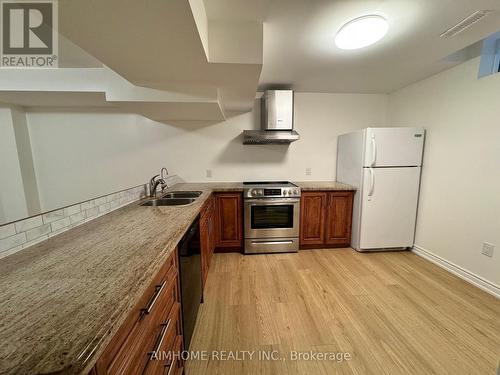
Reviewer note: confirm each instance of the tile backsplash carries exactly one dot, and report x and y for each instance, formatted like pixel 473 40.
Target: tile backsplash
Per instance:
pixel 27 232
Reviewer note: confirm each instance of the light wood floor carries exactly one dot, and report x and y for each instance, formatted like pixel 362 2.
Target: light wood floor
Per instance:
pixel 394 313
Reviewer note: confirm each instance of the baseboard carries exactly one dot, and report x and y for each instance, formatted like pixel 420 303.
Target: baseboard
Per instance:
pixel 323 246
pixel 228 250
pixel 464 274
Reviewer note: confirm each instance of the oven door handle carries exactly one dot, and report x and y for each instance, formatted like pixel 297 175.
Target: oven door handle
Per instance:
pixel 267 202
pixel 275 242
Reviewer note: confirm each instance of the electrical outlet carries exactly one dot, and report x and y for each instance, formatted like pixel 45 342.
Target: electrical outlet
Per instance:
pixel 209 173
pixel 308 171
pixel 488 249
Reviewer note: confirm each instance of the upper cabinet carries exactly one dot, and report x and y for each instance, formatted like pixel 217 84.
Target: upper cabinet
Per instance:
pixel 325 219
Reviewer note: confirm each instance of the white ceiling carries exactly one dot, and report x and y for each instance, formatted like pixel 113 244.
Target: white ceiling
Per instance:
pixel 197 60
pixel 163 45
pixel 167 60
pixel 299 49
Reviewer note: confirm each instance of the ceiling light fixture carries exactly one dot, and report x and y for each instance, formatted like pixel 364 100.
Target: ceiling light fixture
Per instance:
pixel 361 32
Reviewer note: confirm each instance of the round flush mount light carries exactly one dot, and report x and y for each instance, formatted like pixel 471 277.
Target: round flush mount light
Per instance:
pixel 361 32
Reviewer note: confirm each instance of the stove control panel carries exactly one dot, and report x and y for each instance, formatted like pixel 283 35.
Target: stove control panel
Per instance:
pixel 273 192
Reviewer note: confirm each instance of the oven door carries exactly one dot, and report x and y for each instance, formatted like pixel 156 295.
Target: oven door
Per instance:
pixel 272 218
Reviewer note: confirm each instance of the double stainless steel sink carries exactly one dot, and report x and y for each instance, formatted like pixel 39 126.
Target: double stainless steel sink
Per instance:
pixel 182 194
pixel 174 198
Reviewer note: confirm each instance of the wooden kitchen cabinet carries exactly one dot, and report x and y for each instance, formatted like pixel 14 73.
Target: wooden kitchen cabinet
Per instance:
pixel 339 218
pixel 325 219
pixel 229 221
pixel 207 236
pixel 154 324
pixel 312 218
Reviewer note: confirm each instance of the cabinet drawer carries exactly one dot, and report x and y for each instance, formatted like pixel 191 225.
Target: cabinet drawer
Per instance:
pixel 161 355
pixel 133 355
pixel 127 352
pixel 177 365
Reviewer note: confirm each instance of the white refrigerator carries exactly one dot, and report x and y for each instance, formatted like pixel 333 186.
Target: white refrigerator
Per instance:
pixel 384 165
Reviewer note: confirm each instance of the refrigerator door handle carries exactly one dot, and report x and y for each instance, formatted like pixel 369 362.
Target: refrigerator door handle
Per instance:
pixel 372 182
pixel 374 151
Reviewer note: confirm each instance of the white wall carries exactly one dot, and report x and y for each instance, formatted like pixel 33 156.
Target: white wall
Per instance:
pixel 79 156
pixel 12 198
pixel 460 191
pixel 319 118
pixel 25 157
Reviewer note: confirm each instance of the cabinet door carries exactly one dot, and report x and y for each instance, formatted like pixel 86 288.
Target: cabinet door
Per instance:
pixel 204 249
pixel 312 218
pixel 229 228
pixel 211 237
pixel 338 218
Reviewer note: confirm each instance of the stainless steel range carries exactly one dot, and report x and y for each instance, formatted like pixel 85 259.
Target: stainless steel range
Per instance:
pixel 272 211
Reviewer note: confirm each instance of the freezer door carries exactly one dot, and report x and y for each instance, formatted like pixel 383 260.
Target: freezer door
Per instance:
pixel 393 147
pixel 389 207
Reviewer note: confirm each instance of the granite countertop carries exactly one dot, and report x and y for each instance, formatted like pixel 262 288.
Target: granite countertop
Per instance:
pixel 62 300
pixel 323 185
pixel 304 185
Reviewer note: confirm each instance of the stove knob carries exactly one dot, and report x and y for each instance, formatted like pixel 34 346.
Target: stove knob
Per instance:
pixel 254 192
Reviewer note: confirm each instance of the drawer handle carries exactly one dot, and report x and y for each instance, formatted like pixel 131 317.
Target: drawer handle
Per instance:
pixel 158 289
pixel 160 339
pixel 170 366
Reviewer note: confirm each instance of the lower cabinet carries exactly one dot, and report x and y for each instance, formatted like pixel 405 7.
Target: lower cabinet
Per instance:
pixel 207 236
pixel 150 340
pixel 229 221
pixel 339 218
pixel 325 219
pixel 312 218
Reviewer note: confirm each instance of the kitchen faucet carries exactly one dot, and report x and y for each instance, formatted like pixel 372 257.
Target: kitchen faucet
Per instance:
pixel 164 178
pixel 154 182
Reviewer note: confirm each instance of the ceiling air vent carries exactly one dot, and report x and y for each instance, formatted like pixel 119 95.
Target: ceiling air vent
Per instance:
pixel 466 23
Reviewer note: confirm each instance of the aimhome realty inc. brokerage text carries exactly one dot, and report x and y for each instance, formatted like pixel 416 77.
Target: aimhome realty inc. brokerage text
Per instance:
pixel 252 355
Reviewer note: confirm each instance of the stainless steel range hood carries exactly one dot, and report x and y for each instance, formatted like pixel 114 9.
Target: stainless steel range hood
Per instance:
pixel 276 122
pixel 262 137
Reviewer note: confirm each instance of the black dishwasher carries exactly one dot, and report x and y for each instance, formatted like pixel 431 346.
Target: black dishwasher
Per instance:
pixel 190 279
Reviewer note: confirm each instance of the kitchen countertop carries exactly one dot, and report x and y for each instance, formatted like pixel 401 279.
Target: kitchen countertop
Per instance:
pixel 324 185
pixel 62 300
